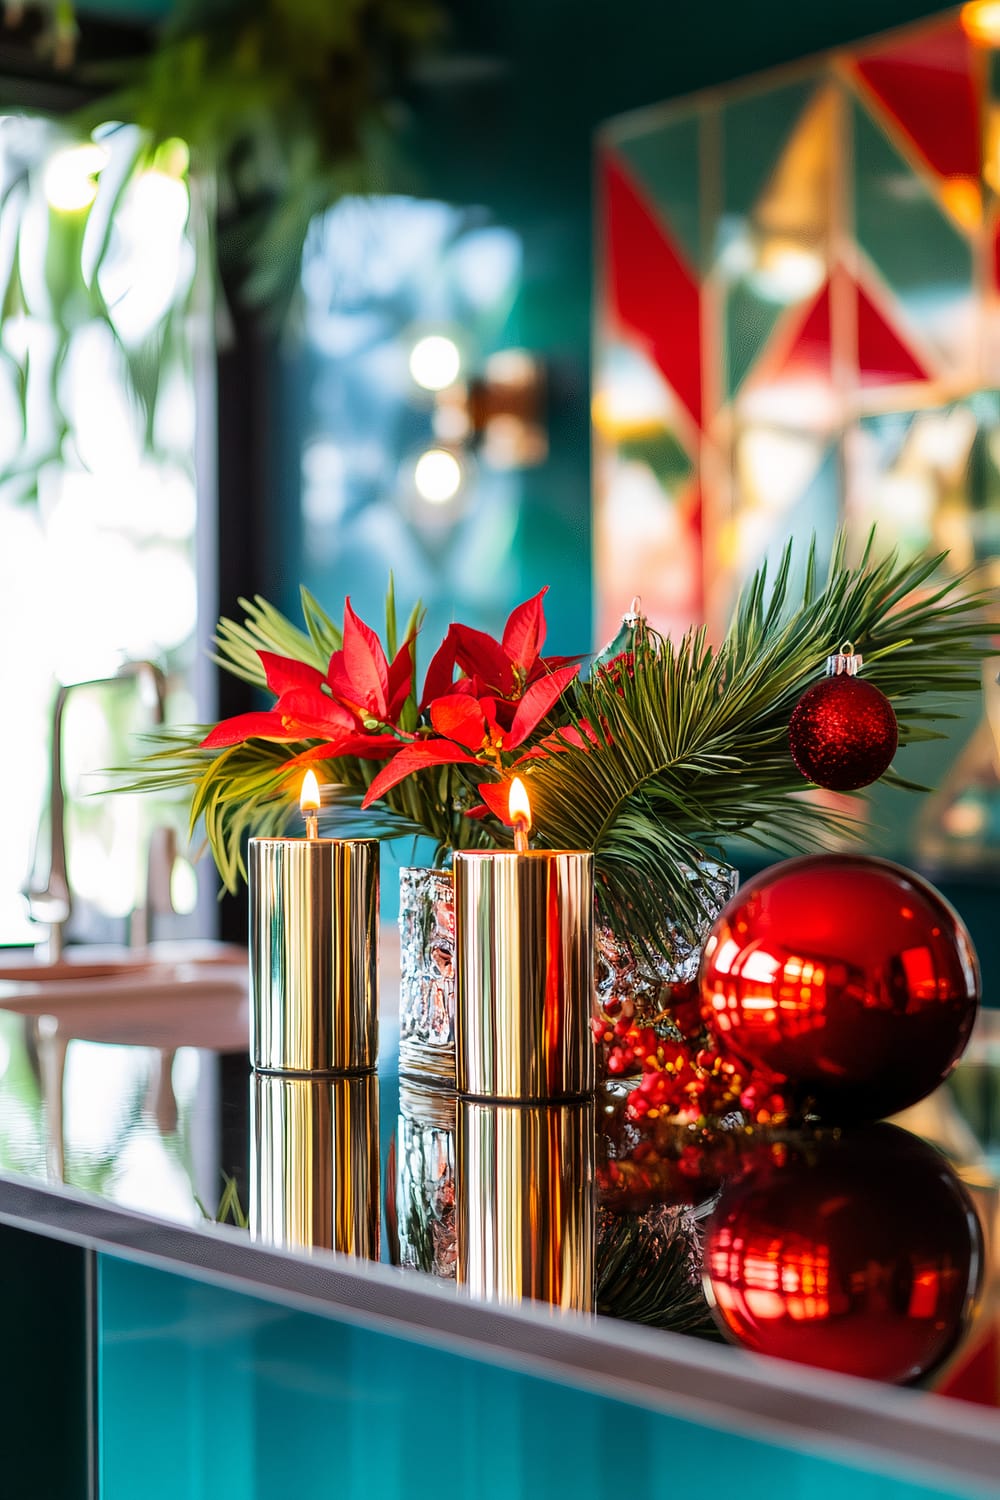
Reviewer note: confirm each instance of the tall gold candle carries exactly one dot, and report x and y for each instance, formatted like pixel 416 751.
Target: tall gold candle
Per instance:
pixel 314 953
pixel 525 1202
pixel 314 1163
pixel 524 939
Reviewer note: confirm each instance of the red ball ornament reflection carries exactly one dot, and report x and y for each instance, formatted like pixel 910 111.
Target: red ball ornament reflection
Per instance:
pixel 860 1255
pixel 843 733
pixel 849 979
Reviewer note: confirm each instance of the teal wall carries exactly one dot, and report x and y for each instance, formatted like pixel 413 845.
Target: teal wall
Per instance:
pixel 507 121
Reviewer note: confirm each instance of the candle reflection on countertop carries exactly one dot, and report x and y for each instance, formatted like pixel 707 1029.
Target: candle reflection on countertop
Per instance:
pixel 314 1163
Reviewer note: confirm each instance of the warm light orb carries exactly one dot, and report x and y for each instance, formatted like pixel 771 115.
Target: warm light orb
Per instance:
pixel 981 22
pixel 437 476
pixel 309 798
pixel 518 804
pixel 71 175
pixel 435 362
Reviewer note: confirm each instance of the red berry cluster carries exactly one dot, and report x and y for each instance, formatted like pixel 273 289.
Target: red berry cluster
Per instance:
pixel 683 1076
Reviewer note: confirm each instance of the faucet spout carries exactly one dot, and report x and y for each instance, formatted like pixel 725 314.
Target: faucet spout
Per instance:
pixel 51 903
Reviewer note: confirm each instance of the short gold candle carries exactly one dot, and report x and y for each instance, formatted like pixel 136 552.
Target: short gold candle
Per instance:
pixel 525 1202
pixel 314 1163
pixel 524 940
pixel 314 954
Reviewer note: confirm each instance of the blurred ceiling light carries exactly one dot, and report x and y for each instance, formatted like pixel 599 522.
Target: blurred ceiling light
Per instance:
pixel 795 404
pixel 943 441
pixel 437 476
pixel 787 272
pixel 70 179
pixel 158 206
pixel 183 887
pixel 981 22
pixel 963 199
pixel 499 412
pixel 435 362
pixel 774 467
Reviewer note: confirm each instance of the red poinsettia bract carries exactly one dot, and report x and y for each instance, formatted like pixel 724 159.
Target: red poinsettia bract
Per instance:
pixel 501 670
pixel 354 706
pixel 468 731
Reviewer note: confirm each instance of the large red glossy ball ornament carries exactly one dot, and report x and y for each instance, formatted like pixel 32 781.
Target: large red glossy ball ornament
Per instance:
pixel 843 733
pixel 860 1255
pixel 849 979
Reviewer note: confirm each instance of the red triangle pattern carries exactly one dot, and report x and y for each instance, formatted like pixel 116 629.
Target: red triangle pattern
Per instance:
pixel 807 355
pixel 652 294
pixel 884 357
pixel 927 84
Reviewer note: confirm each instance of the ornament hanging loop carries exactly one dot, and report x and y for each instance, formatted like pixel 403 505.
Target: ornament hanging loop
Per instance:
pixel 846 661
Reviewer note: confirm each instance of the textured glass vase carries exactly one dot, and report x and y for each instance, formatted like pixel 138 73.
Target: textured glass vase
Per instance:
pixel 425 1180
pixel 427 975
pixel 646 990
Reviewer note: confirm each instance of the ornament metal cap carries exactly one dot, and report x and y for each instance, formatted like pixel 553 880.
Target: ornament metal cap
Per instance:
pixel 845 661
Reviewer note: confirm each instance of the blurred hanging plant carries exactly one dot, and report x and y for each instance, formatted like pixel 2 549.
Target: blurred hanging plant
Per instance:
pixel 98 267
pixel 290 104
pixel 282 105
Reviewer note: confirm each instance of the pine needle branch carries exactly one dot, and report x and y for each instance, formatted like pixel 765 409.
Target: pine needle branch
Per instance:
pixel 693 741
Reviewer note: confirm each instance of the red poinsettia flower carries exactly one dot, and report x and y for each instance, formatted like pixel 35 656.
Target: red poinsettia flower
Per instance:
pixel 350 706
pixel 468 731
pixel 566 737
pixel 499 669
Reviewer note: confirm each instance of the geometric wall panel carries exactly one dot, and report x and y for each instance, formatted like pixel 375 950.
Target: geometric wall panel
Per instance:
pixel 811 265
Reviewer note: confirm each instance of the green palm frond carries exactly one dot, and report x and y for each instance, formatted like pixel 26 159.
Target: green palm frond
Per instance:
pixel 267 629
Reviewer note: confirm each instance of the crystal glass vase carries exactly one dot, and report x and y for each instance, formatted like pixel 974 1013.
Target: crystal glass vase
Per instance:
pixel 427 975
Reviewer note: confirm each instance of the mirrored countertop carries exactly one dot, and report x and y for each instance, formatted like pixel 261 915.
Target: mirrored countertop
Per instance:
pixel 872 1251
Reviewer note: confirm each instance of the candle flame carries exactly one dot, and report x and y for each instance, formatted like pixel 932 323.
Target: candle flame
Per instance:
pixel 309 799
pixel 520 807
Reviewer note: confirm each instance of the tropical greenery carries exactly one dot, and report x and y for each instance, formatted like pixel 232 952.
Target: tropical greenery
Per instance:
pixel 653 761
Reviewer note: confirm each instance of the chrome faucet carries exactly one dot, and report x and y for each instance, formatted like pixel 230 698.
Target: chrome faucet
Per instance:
pixel 52 903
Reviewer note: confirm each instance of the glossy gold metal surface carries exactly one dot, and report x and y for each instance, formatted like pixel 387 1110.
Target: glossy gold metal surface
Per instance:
pixel 314 1163
pixel 525 1193
pixel 524 936
pixel 314 954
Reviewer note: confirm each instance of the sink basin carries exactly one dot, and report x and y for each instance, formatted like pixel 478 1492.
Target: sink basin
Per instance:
pixel 114 963
pixel 160 996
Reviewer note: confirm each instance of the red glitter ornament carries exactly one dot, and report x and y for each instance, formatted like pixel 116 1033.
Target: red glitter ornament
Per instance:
pixel 843 732
pixel 849 980
pixel 858 1254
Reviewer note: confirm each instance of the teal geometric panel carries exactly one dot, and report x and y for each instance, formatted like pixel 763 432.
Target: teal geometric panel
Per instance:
pixel 755 130
pixel 915 247
pixel 665 164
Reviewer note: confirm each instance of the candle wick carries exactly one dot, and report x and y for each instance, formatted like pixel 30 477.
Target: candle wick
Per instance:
pixel 312 825
pixel 520 836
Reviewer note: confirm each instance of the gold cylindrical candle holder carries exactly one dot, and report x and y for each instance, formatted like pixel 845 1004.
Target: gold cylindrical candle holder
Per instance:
pixel 525 1191
pixel 524 940
pixel 314 1163
pixel 314 954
